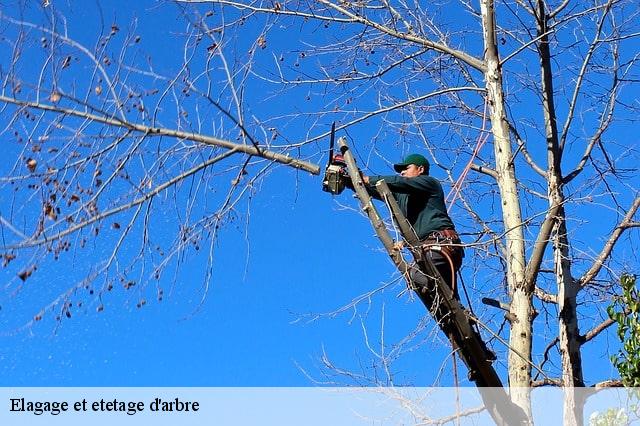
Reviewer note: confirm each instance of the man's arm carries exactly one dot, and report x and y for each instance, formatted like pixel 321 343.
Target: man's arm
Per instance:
pixel 371 189
pixel 402 185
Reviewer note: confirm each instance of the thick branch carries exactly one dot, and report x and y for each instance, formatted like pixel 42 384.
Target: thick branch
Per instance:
pixel 547 382
pixel 544 296
pixel 355 18
pixel 533 266
pixel 609 384
pixel 458 54
pixel 159 131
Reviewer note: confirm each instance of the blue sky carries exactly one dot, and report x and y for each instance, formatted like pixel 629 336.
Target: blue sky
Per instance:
pixel 244 333
pixel 279 270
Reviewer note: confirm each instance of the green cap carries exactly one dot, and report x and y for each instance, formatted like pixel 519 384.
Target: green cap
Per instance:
pixel 416 159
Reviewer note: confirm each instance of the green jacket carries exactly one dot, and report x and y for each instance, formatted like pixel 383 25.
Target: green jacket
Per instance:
pixel 421 200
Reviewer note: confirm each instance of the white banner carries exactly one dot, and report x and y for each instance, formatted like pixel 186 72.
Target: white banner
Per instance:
pixel 287 406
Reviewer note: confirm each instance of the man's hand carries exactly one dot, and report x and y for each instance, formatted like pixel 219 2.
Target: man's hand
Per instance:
pixel 398 245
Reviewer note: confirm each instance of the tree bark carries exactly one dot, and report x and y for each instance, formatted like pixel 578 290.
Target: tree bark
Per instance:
pixel 568 337
pixel 521 294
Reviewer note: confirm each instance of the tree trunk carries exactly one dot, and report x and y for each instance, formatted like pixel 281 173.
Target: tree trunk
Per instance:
pixel 521 306
pixel 568 336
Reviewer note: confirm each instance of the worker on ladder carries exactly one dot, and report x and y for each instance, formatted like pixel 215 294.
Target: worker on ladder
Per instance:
pixel 436 244
pixel 421 200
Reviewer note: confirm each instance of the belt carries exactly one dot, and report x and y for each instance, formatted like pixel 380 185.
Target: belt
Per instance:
pixel 446 240
pixel 448 234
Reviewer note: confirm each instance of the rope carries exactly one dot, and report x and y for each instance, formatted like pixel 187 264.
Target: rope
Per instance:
pixel 449 261
pixel 482 139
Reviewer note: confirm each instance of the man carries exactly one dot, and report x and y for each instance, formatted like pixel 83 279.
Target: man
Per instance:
pixel 421 200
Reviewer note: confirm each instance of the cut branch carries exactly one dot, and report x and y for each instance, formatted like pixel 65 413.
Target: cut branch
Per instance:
pixel 484 170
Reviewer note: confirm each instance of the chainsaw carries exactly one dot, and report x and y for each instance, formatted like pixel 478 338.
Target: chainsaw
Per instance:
pixel 335 174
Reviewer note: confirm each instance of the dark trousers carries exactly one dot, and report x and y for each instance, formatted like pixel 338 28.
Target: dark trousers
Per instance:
pixel 421 280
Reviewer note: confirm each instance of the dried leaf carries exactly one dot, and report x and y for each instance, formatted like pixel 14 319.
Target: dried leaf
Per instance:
pixel 7 258
pixel 31 164
pixel 55 97
pixel 50 211
pixel 26 273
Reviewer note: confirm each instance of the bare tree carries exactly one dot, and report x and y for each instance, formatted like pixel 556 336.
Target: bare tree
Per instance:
pixel 549 84
pixel 101 145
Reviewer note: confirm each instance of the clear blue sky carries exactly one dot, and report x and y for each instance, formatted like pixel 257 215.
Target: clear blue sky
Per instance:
pixel 305 256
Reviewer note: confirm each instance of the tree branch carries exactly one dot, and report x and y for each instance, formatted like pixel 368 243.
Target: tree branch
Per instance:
pixel 544 296
pixel 609 384
pixel 542 240
pixel 458 54
pixel 484 170
pixel 355 18
pixel 559 9
pixel 547 382
pixel 608 247
pixel 595 331
pixel 158 189
pixel 159 131
pixel 274 10
pixel 522 148
pixel 587 58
